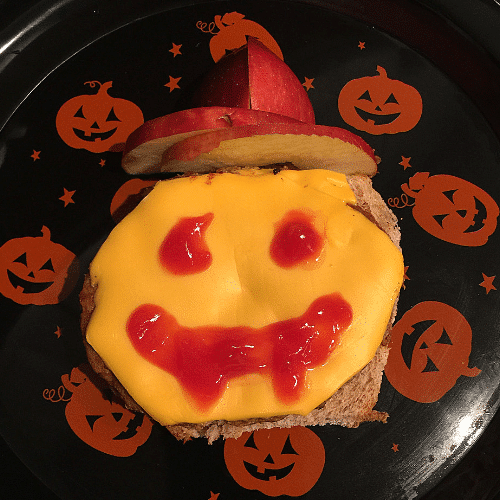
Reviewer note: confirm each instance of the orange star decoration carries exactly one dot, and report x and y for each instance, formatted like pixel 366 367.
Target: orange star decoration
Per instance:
pixel 67 197
pixel 487 283
pixel 36 155
pixel 405 277
pixel 176 49
pixel 173 83
pixel 214 496
pixel 395 447
pixel 405 162
pixel 102 163
pixel 58 332
pixel 361 45
pixel 308 83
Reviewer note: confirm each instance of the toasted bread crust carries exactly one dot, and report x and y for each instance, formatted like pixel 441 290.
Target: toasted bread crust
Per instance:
pixel 349 406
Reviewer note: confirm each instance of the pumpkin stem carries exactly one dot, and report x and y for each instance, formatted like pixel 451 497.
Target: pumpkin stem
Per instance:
pixel 201 26
pixel 46 232
pixel 50 394
pixel 93 83
pixel 381 71
pixel 103 87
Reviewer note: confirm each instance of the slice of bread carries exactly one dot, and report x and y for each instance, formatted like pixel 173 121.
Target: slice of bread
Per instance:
pixel 349 406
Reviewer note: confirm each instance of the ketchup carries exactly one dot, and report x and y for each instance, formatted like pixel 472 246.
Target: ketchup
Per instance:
pixel 184 249
pixel 296 240
pixel 203 359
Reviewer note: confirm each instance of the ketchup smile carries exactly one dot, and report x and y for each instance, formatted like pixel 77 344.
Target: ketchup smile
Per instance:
pixel 203 359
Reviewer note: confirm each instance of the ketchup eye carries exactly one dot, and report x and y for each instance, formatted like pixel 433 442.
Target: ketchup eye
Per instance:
pixel 184 249
pixel 296 240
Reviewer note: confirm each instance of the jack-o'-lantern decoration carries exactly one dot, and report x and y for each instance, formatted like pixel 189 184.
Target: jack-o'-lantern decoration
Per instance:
pixel 430 348
pixel 233 33
pixel 35 270
pixel 128 197
pixel 97 122
pixel 100 421
pixel 452 209
pixel 276 461
pixel 379 105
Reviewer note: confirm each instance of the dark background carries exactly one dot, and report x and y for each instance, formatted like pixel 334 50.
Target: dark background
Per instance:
pixel 477 475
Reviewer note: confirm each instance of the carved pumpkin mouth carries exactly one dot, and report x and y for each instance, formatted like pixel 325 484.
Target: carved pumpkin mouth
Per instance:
pixel 27 286
pixel 376 119
pixel 132 427
pixel 275 474
pixel 94 136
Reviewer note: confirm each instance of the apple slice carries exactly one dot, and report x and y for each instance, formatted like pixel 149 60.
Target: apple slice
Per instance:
pixel 255 77
pixel 306 146
pixel 145 146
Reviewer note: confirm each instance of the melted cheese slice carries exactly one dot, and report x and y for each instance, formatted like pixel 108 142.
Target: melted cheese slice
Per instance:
pixel 243 286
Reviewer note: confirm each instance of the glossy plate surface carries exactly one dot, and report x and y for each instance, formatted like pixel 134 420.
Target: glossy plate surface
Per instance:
pixel 437 131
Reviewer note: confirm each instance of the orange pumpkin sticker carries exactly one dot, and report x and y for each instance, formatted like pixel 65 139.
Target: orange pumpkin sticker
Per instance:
pixel 232 33
pixel 97 122
pixel 430 347
pixel 276 461
pixel 452 209
pixel 100 421
pixel 379 105
pixel 128 197
pixel 35 270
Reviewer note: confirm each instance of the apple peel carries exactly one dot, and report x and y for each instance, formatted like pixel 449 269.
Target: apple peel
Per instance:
pixel 254 77
pixel 306 146
pixel 145 146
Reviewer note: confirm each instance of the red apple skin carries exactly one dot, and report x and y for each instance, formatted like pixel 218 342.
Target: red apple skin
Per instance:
pixel 226 84
pixel 256 78
pixel 145 146
pixel 350 154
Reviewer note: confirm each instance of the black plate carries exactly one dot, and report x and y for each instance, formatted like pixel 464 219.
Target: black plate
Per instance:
pixel 49 54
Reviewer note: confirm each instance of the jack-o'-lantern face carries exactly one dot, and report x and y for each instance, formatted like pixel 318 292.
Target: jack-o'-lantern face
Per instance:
pixel 97 122
pixel 380 105
pixel 430 347
pixel 35 270
pixel 276 461
pixel 246 281
pixel 100 421
pixel 452 209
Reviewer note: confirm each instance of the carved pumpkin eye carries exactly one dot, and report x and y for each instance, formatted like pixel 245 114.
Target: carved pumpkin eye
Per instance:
pixel 277 461
pixel 26 263
pixel 288 448
pixel 79 113
pixel 105 425
pixel 90 121
pixel 22 259
pixel 367 112
pixel 112 116
pixel 391 99
pixel 250 442
pixel 366 96
pixel 430 347
pixel 453 209
pixel 48 265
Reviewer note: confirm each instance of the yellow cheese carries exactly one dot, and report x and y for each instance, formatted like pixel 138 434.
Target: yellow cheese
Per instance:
pixel 243 286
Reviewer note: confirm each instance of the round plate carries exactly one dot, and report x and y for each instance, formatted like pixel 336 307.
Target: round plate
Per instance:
pixel 436 129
